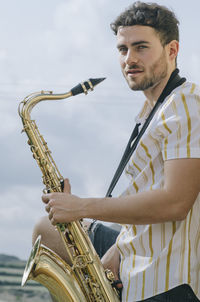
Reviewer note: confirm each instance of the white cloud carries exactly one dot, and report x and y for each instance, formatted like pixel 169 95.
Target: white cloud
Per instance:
pixel 78 11
pixel 3 54
pixel 20 202
pixel 194 67
pixel 8 124
pixel 20 209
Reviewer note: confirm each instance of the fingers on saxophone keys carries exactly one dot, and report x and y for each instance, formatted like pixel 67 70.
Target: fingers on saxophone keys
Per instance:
pixel 52 217
pixel 46 197
pixel 48 208
pixel 51 211
pixel 50 214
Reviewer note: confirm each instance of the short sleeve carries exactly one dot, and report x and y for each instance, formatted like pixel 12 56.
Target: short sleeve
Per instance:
pixel 179 124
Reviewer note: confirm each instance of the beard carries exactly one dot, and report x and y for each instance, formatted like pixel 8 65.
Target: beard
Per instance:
pixel 157 72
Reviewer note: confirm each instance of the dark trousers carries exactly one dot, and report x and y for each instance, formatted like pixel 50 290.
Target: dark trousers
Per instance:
pixel 103 238
pixel 182 293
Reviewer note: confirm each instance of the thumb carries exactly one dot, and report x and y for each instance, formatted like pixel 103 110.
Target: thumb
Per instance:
pixel 112 273
pixel 117 283
pixel 116 274
pixel 67 186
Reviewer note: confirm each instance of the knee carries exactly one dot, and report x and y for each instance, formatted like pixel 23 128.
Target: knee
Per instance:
pixel 43 228
pixel 49 237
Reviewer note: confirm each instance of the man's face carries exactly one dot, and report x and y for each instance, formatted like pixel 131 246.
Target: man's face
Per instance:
pixel 143 59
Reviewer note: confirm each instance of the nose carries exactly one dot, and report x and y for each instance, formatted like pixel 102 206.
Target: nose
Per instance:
pixel 131 57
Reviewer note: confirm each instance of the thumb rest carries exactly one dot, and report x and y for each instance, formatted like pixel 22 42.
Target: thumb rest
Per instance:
pixel 85 280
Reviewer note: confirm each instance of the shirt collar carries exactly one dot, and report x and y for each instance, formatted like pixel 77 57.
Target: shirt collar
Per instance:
pixel 144 113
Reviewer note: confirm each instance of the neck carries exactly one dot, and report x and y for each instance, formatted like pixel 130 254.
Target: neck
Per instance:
pixel 152 94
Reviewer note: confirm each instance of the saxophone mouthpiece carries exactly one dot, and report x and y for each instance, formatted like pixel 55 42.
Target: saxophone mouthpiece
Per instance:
pixel 96 81
pixel 85 86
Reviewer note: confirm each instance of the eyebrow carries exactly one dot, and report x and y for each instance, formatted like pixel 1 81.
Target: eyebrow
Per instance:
pixel 134 43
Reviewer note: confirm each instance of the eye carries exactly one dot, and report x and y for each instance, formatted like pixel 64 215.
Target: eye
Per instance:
pixel 141 47
pixel 122 49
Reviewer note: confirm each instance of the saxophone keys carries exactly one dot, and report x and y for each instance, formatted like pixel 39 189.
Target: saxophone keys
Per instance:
pixel 45 191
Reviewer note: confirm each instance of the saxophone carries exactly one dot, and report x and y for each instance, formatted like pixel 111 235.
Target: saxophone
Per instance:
pixel 84 280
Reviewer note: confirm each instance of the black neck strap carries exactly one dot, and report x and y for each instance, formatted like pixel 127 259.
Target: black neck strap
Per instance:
pixel 174 81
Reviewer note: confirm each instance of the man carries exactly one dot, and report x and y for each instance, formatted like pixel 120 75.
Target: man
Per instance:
pixel 159 241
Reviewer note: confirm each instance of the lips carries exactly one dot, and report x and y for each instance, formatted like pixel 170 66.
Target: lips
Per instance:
pixel 133 71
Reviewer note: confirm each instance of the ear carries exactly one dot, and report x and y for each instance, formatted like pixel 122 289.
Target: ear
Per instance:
pixel 173 48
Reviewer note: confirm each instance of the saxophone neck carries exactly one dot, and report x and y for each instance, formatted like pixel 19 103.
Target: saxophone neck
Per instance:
pixel 31 100
pixel 26 106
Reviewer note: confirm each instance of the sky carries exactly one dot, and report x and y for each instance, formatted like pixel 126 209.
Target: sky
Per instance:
pixel 54 45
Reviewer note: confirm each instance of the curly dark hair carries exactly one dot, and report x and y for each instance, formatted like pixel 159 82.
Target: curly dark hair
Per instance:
pixel 154 15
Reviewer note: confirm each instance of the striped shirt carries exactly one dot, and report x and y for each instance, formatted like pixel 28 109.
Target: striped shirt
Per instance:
pixel 158 257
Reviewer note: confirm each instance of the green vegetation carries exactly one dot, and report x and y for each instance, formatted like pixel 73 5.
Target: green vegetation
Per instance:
pixel 11 271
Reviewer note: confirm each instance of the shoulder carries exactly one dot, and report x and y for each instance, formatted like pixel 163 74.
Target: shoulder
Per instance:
pixel 180 112
pixel 188 90
pixel 183 99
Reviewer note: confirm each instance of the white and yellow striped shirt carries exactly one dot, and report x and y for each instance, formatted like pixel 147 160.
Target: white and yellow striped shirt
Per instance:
pixel 158 257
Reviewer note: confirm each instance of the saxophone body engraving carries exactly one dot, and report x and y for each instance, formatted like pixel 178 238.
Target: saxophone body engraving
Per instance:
pixel 85 279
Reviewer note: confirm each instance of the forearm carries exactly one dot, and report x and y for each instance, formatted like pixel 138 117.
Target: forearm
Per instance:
pixel 171 203
pixel 143 208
